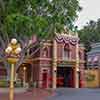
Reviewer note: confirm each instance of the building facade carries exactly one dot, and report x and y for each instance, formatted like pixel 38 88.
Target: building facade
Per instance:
pixel 94 56
pixel 93 66
pixel 59 63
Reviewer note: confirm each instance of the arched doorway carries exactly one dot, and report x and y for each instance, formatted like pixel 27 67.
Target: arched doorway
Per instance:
pixel 25 73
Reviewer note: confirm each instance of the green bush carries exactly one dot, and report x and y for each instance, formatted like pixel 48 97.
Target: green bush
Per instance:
pixel 4 83
pixel 18 84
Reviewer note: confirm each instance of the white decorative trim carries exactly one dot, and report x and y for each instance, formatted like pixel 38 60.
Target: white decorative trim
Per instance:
pixel 67 39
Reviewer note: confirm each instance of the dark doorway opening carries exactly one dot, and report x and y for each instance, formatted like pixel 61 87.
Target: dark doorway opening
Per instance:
pixel 25 72
pixel 44 79
pixel 65 77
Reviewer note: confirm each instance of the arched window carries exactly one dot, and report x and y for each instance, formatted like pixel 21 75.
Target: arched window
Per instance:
pixel 80 55
pixel 66 52
pixel 45 52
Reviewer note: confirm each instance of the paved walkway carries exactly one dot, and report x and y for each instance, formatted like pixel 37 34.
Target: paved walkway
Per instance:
pixel 33 94
pixel 16 90
pixel 76 94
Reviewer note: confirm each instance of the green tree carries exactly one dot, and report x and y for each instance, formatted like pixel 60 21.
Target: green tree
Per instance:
pixel 24 18
pixel 90 34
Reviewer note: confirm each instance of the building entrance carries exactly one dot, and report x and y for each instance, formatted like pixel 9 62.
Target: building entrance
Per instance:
pixel 65 77
pixel 45 74
pixel 44 79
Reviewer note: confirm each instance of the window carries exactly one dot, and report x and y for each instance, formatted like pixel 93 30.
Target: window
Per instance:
pixel 89 59
pixel 45 52
pixel 66 52
pixel 80 55
pixel 95 59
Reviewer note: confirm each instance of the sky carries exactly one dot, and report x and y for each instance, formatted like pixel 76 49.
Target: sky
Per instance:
pixel 91 11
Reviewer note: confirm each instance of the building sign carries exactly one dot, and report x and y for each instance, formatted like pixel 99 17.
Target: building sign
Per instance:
pixel 90 77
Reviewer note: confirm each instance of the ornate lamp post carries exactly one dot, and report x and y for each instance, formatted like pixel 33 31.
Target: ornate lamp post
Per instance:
pixel 24 82
pixel 12 51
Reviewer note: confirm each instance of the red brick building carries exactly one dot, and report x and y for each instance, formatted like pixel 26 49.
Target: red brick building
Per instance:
pixel 59 63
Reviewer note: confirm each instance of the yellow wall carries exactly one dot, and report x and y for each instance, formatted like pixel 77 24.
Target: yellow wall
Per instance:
pixel 92 78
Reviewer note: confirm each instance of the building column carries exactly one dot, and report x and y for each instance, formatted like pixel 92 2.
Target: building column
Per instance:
pixel 54 67
pixel 77 67
pixel 32 72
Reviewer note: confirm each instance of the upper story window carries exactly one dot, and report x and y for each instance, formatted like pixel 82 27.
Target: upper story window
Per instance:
pixel 89 59
pixel 80 55
pixel 45 52
pixel 96 59
pixel 65 55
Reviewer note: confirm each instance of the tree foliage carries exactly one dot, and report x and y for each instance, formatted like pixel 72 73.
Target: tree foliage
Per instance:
pixel 24 18
pixel 90 33
pixel 37 16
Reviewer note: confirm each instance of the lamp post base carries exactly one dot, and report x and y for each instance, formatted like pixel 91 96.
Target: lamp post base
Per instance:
pixel 11 95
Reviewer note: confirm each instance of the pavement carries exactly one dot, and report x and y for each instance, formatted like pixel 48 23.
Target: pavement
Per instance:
pixel 16 90
pixel 22 94
pixel 76 94
pixel 57 94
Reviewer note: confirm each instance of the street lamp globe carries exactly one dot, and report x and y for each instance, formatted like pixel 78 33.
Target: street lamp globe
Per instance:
pixel 13 41
pixel 18 50
pixel 77 69
pixel 24 68
pixel 8 50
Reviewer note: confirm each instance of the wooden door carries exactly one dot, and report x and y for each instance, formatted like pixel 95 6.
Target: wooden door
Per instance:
pixel 45 79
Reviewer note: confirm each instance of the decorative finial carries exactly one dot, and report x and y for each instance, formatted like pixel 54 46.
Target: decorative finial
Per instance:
pixel 66 31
